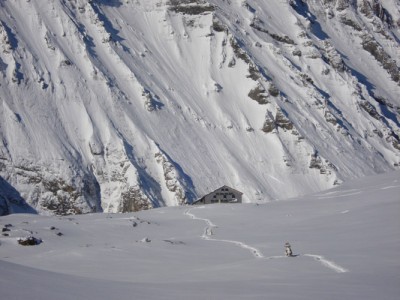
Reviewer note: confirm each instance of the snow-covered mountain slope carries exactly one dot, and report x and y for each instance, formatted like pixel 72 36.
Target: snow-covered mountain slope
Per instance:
pixel 119 106
pixel 346 241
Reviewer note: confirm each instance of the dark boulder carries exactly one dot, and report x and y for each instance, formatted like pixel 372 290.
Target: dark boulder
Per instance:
pixel 29 241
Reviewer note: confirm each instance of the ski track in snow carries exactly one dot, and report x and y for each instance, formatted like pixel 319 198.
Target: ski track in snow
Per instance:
pixel 390 187
pixel 208 232
pixel 256 252
pixel 327 263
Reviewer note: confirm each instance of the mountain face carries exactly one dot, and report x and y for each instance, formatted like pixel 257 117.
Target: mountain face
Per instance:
pixel 125 105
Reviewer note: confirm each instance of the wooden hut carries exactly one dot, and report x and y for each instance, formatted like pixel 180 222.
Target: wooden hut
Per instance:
pixel 224 194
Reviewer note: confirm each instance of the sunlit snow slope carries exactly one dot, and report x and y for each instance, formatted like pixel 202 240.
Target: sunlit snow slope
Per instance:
pixel 126 105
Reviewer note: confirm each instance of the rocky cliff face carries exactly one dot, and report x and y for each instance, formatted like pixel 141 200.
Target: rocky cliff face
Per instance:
pixel 121 106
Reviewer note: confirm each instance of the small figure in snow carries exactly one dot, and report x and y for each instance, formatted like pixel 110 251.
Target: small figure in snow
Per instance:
pixel 209 231
pixel 288 249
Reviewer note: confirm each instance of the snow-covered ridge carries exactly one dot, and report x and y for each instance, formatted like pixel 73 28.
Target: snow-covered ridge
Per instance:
pixel 126 105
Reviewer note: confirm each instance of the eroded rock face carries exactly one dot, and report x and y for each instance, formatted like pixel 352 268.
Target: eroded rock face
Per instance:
pixel 62 198
pixel 281 120
pixel 323 165
pixel 377 51
pixel 394 138
pixel 333 57
pixel 134 200
pixel 151 101
pixel 114 94
pixel 259 25
pixel 5 39
pixel 190 7
pixel 175 181
pixel 343 4
pixel 259 94
pixel 48 191
pixel 369 8
pixel 330 118
pixel 370 109
pixel 269 124
pixel 372 8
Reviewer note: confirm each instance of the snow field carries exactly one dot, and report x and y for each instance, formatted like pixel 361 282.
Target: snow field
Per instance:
pixel 89 89
pixel 346 239
pixel 208 231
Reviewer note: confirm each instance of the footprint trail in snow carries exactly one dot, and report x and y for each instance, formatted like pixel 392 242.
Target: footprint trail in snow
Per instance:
pixel 208 232
pixel 327 263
